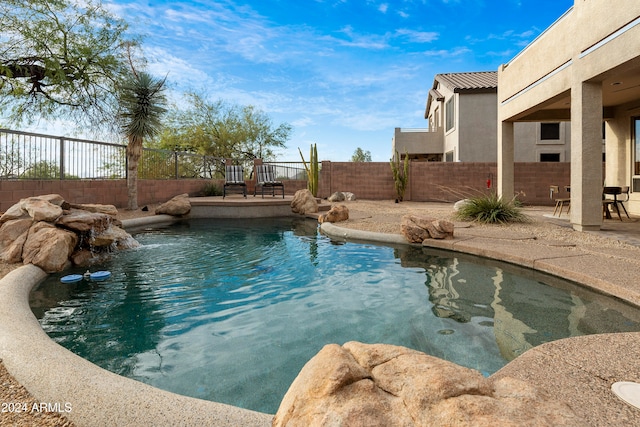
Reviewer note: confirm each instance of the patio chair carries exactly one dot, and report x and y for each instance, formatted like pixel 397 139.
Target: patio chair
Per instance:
pixel 265 178
pixel 234 178
pixel 560 202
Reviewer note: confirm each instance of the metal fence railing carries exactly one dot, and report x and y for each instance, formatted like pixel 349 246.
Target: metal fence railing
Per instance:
pixel 26 155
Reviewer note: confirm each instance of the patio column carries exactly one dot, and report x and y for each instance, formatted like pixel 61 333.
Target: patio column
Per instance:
pixel 586 156
pixel 505 184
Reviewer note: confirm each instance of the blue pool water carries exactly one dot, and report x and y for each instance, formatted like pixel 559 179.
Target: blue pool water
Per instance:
pixel 230 311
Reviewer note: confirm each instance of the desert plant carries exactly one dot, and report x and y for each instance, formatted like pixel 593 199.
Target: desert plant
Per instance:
pixel 490 209
pixel 211 189
pixel 312 170
pixel 400 174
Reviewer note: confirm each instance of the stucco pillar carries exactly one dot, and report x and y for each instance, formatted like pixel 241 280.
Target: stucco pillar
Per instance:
pixel 505 185
pixel 618 151
pixel 586 156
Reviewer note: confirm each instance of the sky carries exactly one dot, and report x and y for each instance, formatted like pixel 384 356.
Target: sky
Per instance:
pixel 342 73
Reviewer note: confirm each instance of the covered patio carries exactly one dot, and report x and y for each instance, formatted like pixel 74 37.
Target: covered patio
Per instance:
pixel 585 69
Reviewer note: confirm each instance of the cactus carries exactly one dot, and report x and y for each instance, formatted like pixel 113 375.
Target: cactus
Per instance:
pixel 312 169
pixel 400 176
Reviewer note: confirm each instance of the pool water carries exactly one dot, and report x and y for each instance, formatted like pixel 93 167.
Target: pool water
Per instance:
pixel 230 310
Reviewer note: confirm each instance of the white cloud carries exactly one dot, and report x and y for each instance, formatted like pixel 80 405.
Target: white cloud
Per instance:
pixel 418 36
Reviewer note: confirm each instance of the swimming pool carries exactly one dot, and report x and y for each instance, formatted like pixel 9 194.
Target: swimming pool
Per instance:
pixel 231 310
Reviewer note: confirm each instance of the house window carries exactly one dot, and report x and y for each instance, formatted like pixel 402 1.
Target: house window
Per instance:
pixel 549 157
pixel 549 131
pixel 448 157
pixel 450 112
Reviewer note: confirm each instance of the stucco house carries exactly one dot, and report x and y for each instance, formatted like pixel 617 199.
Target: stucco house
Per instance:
pixel 583 70
pixel 462 110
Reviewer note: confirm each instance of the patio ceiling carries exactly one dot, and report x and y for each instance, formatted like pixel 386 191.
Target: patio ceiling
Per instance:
pixel 620 86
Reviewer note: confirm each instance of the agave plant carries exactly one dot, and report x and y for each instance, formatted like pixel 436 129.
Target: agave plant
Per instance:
pixel 491 209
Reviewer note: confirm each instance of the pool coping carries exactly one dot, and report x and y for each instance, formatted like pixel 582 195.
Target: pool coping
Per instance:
pixel 53 374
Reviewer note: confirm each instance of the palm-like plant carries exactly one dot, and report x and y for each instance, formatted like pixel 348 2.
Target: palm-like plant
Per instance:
pixel 142 105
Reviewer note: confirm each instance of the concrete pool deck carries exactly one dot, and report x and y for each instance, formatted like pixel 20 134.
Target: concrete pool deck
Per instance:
pixel 578 371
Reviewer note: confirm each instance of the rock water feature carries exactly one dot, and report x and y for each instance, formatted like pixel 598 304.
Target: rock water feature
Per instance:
pixel 53 234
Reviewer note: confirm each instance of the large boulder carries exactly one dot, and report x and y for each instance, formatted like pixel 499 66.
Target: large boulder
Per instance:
pixel 48 247
pixel 417 229
pixel 115 237
pixel 338 196
pixel 13 234
pixel 41 210
pixel 84 221
pixel 385 385
pixel 337 213
pixel 177 206
pixel 304 203
pixel 96 208
pixel 341 196
pixel 14 212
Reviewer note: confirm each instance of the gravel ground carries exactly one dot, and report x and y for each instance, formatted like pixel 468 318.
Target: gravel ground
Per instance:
pixel 379 216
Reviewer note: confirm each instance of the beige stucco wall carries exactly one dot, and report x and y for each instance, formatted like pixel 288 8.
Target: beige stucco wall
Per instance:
pixel 477 124
pixel 529 145
pixel 416 141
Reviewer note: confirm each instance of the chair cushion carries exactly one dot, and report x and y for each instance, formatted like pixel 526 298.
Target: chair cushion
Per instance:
pixel 234 175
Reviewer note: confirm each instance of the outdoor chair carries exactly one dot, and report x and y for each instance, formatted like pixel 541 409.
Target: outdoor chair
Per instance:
pixel 615 203
pixel 265 178
pixel 234 178
pixel 560 202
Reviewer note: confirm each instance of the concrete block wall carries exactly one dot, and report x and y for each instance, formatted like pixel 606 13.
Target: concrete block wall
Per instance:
pixel 428 181
pixel 439 181
pixel 114 192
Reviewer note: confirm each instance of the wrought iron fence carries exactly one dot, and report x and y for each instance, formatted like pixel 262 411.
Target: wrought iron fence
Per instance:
pixel 26 155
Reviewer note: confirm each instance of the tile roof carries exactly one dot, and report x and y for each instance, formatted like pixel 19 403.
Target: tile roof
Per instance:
pixel 483 81
pixel 476 82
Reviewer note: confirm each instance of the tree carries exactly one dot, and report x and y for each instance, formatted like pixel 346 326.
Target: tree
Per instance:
pixel 143 104
pixel 361 156
pixel 61 59
pixel 223 130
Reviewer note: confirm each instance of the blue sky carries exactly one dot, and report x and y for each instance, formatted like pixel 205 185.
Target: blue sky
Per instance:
pixel 343 73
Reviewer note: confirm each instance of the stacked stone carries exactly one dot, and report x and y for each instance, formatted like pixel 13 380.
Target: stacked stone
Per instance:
pixel 53 234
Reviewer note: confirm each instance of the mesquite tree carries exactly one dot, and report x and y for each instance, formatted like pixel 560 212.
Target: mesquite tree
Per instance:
pixel 61 59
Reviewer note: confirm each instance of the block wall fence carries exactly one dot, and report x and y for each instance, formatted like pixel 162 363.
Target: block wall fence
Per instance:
pixel 441 182
pixel 428 182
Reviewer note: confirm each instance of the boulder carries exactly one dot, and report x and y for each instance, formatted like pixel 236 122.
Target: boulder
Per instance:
pixel 83 221
pixel 13 234
pixel 96 208
pixel 417 229
pixel 54 199
pixel 48 247
pixel 383 385
pixel 337 213
pixel 113 237
pixel 303 202
pixel 338 196
pixel 177 206
pixel 40 209
pixel 14 212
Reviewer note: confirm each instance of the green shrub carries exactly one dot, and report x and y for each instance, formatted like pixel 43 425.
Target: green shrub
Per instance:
pixel 491 209
pixel 211 189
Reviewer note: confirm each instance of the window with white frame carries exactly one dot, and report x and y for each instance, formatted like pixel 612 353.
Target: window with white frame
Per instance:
pixel 450 112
